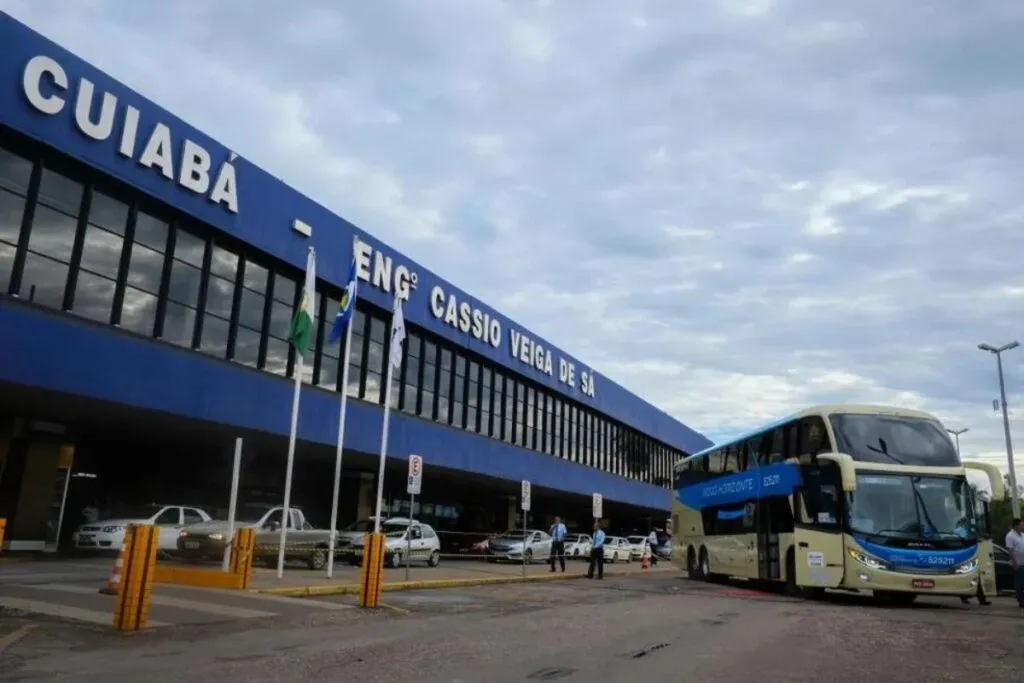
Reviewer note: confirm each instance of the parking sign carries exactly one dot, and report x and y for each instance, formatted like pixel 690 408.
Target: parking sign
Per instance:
pixel 525 496
pixel 415 482
pixel 598 505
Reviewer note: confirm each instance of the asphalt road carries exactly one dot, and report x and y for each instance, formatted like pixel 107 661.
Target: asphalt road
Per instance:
pixel 635 629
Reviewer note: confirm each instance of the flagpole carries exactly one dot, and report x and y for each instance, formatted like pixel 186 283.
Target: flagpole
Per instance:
pixel 285 512
pixel 339 448
pixel 394 353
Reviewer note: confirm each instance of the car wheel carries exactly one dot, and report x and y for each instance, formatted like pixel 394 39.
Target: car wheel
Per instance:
pixel 435 558
pixel 318 559
pixel 528 557
pixel 396 559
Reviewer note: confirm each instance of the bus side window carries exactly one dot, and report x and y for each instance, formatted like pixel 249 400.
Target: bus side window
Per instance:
pixel 777 449
pixel 813 437
pixel 755 451
pixel 731 459
pixel 716 464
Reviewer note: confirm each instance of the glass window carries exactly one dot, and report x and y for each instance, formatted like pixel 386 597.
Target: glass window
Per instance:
pixel 375 362
pixel 444 380
pixel 510 435
pixel 498 407
pixel 60 192
pixel 282 308
pixel 7 252
pixel 459 392
pixel 179 323
pixel 520 416
pixel 145 269
pixel 472 396
pixel 485 401
pixel 15 172
pixel 277 356
pixel 43 281
pixel 108 213
pixel 247 346
pixel 215 336
pixel 329 354
pixel 94 297
pixel 429 380
pixel 220 293
pixel 101 257
pixel 355 360
pixel 53 234
pixel 183 289
pixel 101 251
pixel 413 349
pixel 12 207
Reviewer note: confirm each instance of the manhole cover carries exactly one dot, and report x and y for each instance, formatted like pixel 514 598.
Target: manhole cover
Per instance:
pixel 551 673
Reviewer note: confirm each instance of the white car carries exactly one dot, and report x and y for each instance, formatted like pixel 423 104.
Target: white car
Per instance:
pixel 617 548
pixel 637 545
pixel 516 545
pixel 404 537
pixel 578 546
pixel 108 534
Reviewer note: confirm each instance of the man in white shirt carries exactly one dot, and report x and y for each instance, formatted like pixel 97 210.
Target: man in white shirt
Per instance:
pixel 1015 547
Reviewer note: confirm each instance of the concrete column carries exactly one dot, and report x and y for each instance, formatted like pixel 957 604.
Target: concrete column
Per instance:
pixel 367 495
pixel 513 509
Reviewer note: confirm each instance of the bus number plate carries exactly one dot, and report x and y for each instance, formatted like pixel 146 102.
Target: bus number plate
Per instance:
pixel 923 583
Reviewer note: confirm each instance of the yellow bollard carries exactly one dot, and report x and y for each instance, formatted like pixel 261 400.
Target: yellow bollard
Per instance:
pixel 3 527
pixel 241 557
pixel 131 610
pixel 371 576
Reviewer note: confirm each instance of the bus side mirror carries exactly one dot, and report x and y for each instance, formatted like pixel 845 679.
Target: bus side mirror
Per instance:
pixel 847 472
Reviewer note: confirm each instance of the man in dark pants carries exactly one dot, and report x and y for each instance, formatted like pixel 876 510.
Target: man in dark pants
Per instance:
pixel 1015 546
pixel 558 532
pixel 597 553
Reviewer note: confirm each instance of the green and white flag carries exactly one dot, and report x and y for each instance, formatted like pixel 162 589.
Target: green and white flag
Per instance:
pixel 302 324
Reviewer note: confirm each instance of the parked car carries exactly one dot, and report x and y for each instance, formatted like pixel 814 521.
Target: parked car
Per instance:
pixel 616 549
pixel 304 542
pixel 578 546
pixel 1003 567
pixel 637 544
pixel 108 534
pixel 401 537
pixel 520 546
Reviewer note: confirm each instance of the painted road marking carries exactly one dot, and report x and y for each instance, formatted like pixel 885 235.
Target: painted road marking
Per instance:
pixel 13 637
pixel 64 611
pixel 167 601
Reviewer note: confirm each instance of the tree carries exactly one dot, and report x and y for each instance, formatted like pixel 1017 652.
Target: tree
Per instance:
pixel 1006 484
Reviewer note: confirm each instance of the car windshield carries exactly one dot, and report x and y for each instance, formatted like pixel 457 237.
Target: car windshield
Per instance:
pixel 637 539
pixel 511 536
pixel 363 526
pixel 393 530
pixel 144 511
pixel 894 440
pixel 912 507
pixel 253 512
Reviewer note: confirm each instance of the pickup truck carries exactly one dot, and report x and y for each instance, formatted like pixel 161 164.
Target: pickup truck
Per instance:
pixel 304 542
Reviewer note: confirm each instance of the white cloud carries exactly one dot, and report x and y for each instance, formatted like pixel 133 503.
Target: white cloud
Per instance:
pixel 745 206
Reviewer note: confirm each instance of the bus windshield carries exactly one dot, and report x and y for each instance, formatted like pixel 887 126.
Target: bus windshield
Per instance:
pixel 912 507
pixel 894 440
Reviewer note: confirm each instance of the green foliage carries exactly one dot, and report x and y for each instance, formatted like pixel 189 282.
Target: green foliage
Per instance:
pixel 1000 515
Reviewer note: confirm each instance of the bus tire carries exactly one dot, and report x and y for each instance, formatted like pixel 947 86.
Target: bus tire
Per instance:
pixel 691 564
pixel 704 566
pixel 792 588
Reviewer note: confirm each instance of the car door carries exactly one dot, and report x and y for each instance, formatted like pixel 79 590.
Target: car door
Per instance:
pixel 168 521
pixel 417 543
pixel 269 533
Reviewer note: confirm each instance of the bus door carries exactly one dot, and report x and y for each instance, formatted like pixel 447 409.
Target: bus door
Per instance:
pixel 767 540
pixel 819 551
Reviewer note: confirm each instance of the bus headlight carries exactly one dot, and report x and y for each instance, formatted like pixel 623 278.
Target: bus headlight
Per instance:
pixel 868 560
pixel 967 567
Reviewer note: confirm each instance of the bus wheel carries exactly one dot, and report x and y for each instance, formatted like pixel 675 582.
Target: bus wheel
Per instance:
pixel 791 587
pixel 691 564
pixel 704 568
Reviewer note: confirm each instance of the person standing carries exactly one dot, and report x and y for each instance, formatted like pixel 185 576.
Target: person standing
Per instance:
pixel 558 532
pixel 1015 547
pixel 652 543
pixel 597 553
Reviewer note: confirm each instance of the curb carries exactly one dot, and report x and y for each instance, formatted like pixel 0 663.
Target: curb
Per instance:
pixel 426 584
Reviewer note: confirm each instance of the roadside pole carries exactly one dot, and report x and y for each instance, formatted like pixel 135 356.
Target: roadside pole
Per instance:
pixel 236 469
pixel 413 486
pixel 525 504
pixel 597 507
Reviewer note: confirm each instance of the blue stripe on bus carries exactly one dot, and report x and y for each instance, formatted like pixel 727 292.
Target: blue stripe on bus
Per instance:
pixel 908 558
pixel 761 482
pixel 730 514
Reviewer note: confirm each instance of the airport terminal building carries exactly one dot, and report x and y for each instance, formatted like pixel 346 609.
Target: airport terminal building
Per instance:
pixel 148 276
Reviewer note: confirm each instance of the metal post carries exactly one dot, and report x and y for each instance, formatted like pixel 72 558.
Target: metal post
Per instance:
pixel 524 542
pixel 956 436
pixel 408 535
pixel 232 505
pixel 1015 496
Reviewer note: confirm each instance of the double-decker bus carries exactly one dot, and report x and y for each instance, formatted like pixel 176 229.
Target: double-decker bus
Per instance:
pixel 860 498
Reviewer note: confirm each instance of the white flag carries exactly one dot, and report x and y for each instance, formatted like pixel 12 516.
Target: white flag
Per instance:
pixel 397 334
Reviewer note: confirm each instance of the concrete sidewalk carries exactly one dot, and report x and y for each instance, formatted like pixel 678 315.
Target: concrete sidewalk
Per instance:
pixel 448 575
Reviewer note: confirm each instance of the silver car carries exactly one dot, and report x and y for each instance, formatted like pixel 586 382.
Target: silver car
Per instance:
pixel 519 546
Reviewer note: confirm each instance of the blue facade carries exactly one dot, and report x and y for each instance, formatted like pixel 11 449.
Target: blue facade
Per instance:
pixel 41 83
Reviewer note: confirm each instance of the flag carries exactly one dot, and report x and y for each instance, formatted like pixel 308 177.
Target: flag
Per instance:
pixel 346 306
pixel 397 334
pixel 302 323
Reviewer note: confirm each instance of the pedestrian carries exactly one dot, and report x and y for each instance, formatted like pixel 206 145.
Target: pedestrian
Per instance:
pixel 558 532
pixel 597 553
pixel 1015 547
pixel 652 543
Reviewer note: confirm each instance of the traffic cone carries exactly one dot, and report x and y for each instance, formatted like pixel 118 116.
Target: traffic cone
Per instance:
pixel 645 560
pixel 114 582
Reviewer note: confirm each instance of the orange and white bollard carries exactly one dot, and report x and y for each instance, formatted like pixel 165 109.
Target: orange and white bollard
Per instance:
pixel 645 559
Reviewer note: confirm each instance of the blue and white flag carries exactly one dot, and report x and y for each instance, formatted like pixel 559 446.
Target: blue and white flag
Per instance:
pixel 347 305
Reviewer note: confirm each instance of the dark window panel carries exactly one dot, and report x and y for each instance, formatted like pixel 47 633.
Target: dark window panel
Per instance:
pixel 256 277
pixel 223 263
pixel 184 285
pixel 179 324
pixel 377 329
pixel 220 293
pixel 108 213
pixel 250 310
pixel 151 232
pixel 12 208
pixel 215 336
pixel 284 289
pixel 145 268
pixel 15 172
pixel 43 281
pixel 374 387
pixel 7 252
pixel 485 400
pixel 277 356
pixel 101 252
pixel 247 346
pixel 280 319
pixel 52 234
pixel 60 192
pixel 189 248
pixel 138 311
pixel 94 297
pixel 329 369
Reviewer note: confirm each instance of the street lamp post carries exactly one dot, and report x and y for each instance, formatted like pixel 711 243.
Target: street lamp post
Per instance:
pixel 998 351
pixel 956 435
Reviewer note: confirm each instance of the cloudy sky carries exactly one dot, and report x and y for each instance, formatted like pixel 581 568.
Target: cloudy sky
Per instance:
pixel 733 207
